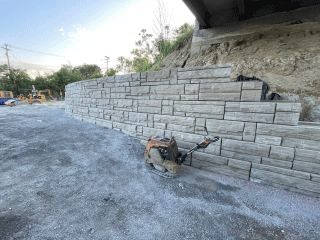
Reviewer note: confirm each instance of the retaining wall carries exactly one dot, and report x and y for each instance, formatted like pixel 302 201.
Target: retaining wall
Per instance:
pixel 260 141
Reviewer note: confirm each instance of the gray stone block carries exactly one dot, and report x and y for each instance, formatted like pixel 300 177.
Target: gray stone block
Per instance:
pixel 296 132
pixel 160 125
pixel 276 163
pixel 282 153
pixel 251 95
pixel 179 128
pixel 308 155
pixel 204 108
pixel 249 117
pixel 223 128
pixel 201 122
pixel 251 107
pixel 149 103
pixel 239 164
pixel 149 110
pixel 230 87
pixel 306 166
pixel 140 90
pixel 287 118
pixel 210 158
pixel 167 90
pixel 173 76
pixel 167 110
pixel 245 147
pixel 220 96
pixel 191 89
pixel 289 107
pixel 249 131
pixel 189 97
pixel 271 177
pixel 139 118
pixel 252 85
pixel 301 143
pixel 186 121
pixel 104 123
pixel 210 80
pixel 268 140
pixel 149 132
pixel 280 170
pixel 240 156
pixel 205 73
pixel 315 177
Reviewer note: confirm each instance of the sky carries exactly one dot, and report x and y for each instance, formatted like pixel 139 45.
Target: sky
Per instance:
pixel 43 35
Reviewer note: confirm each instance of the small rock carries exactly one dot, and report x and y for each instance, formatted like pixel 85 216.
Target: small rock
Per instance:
pixel 91 230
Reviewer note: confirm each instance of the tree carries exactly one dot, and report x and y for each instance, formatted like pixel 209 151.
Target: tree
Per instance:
pixel 111 72
pixel 89 71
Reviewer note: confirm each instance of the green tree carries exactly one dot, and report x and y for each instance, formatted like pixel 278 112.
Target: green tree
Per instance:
pixel 17 81
pixel 111 72
pixel 89 71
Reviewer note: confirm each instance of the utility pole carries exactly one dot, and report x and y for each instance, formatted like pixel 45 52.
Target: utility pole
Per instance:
pixel 7 54
pixel 107 61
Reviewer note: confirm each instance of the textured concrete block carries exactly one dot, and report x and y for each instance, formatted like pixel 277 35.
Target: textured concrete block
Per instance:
pixel 167 90
pixel 239 164
pixel 268 140
pixel 301 143
pixel 240 156
pixel 251 85
pixel 251 107
pixel 306 166
pixel 96 94
pixel 173 76
pixel 251 95
pixel 140 90
pixel 201 122
pixel 186 121
pixel 167 110
pixel 223 128
pixel 104 123
pixel 149 110
pixel 180 128
pixel 230 171
pixel 187 137
pixel 149 103
pixel 249 117
pixel 295 132
pixel 287 172
pixel 249 131
pixel 192 89
pixel 139 118
pixel 118 90
pixel 205 73
pixel 245 147
pixel 149 132
pixel 289 107
pixel 282 153
pixel 276 163
pixel 287 118
pixel 160 125
pixel 315 177
pixel 230 87
pixel 203 108
pixel 150 120
pixel 167 102
pixel 210 158
pixel 220 96
pixel 189 97
pixel 272 177
pixel 308 155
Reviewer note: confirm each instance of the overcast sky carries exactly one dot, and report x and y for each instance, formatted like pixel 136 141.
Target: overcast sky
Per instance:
pixel 77 31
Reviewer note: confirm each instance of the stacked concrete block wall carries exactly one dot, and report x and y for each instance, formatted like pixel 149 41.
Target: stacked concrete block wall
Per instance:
pixel 260 141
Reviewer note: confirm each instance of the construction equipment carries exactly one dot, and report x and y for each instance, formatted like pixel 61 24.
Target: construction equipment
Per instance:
pixel 163 158
pixel 5 96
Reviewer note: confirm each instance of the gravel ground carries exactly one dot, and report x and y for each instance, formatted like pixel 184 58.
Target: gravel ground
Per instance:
pixel 64 179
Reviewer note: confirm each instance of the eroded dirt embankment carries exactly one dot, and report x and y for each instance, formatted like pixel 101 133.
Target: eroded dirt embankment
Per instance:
pixel 287 56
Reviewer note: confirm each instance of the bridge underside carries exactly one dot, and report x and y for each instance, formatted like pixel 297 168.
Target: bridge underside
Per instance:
pixel 211 13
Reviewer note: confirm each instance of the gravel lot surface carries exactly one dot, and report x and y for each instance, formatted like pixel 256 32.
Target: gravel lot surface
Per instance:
pixel 64 179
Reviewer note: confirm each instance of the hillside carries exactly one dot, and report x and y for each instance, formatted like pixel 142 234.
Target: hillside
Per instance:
pixel 286 57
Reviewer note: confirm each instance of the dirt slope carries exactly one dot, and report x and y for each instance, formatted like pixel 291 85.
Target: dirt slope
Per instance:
pixel 286 56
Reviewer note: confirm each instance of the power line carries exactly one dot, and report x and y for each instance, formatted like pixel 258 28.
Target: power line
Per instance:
pixel 34 51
